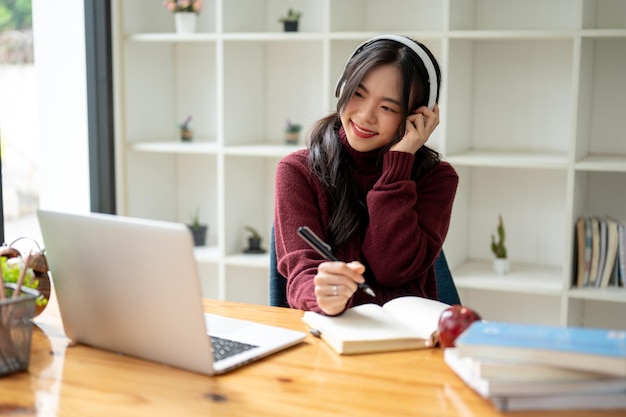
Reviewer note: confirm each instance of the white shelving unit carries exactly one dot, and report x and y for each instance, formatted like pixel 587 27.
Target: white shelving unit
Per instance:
pixel 533 92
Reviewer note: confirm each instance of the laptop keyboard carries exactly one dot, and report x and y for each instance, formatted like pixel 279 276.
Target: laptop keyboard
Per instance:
pixel 225 348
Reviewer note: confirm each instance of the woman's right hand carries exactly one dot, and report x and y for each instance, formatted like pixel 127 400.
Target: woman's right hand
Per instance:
pixel 418 128
pixel 335 282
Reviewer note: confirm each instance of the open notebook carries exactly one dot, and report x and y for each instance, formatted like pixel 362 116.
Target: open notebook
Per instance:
pixel 131 286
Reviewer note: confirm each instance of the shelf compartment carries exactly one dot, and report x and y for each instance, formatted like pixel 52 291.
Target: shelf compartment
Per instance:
pixel 265 89
pixel 184 85
pixel 390 16
pixel 512 15
pixel 535 232
pixel 251 180
pixel 170 192
pixel 262 15
pixel 602 98
pixel 498 93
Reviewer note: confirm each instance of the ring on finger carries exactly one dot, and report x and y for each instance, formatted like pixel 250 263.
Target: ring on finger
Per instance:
pixel 335 290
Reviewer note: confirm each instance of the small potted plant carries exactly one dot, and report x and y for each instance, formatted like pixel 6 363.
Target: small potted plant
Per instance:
pixel 292 132
pixel 498 247
pixel 254 241
pixel 198 229
pixel 185 13
pixel 290 21
pixel 186 134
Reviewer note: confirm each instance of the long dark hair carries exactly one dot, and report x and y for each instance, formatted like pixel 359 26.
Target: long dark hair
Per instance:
pixel 326 153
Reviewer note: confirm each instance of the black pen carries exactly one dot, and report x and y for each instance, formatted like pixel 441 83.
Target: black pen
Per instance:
pixel 323 249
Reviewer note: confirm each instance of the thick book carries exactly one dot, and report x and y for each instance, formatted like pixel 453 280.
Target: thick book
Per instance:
pixel 585 349
pixel 510 370
pixel 589 401
pixel 400 324
pixel 494 387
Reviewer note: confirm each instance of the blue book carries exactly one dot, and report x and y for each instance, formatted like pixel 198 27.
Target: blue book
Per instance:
pixel 588 349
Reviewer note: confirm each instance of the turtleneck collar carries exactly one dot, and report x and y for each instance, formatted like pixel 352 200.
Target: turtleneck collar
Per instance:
pixel 362 161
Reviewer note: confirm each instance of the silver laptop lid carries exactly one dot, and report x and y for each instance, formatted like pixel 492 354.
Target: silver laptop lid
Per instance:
pixel 128 285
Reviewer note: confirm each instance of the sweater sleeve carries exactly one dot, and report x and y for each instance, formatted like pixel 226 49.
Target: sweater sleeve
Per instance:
pixel 298 202
pixel 409 219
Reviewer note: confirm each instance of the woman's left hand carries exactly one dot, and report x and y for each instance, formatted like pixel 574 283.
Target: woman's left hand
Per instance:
pixel 419 127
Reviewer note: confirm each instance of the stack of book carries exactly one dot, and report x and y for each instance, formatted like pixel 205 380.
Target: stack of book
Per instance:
pixel 538 367
pixel 600 252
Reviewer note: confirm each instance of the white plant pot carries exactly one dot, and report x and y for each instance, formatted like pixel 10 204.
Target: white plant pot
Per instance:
pixel 185 22
pixel 501 266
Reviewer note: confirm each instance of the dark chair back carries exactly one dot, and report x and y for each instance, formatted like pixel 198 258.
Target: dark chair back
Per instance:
pixel 446 289
pixel 278 283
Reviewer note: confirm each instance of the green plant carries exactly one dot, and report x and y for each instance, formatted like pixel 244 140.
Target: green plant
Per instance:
pixel 183 5
pixel 11 273
pixel 292 16
pixel 254 234
pixel 195 219
pixel 498 247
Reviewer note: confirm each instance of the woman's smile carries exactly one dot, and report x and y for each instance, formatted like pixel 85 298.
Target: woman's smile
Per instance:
pixel 361 131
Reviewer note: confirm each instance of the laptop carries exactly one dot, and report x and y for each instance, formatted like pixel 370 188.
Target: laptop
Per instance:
pixel 131 286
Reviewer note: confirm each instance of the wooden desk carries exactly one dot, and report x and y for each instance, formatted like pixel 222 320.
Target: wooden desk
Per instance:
pixel 306 380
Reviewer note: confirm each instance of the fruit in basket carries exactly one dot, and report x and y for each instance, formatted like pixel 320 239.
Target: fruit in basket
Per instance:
pixel 453 321
pixel 36 276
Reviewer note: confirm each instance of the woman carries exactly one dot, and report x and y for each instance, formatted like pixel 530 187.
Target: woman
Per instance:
pixel 368 185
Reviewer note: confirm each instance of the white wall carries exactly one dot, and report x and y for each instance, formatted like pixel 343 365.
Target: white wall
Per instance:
pixel 59 47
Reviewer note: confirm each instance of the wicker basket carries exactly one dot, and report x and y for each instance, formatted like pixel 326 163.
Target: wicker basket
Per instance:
pixel 16 328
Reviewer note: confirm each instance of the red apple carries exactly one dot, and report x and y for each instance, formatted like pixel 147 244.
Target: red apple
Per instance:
pixel 453 321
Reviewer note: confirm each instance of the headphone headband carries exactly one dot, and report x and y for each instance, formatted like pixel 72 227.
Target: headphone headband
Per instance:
pixel 428 63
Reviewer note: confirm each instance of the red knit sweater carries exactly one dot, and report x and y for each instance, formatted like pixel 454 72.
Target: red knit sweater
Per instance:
pixel 408 222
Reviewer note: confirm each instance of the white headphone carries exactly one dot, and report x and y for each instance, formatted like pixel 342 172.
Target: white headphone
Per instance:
pixel 428 63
